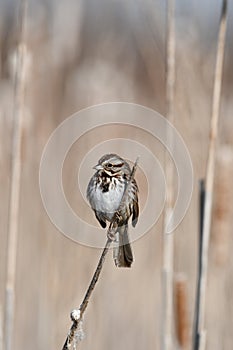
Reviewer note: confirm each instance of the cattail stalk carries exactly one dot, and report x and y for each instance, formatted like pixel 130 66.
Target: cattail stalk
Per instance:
pixel 198 292
pixel 1 328
pixel 210 176
pixel 168 239
pixel 15 182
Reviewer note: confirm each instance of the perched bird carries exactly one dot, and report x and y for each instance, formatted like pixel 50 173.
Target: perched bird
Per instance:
pixel 104 193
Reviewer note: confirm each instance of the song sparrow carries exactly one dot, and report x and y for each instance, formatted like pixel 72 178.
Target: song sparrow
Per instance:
pixel 105 191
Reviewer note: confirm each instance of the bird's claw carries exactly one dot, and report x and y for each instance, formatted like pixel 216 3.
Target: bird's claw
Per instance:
pixel 112 234
pixel 119 218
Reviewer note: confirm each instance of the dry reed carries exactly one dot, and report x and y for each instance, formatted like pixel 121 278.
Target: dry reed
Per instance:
pixel 15 182
pixel 168 239
pixel 201 332
pixel 1 328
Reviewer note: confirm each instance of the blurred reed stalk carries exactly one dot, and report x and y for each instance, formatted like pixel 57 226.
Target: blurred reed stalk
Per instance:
pixel 16 166
pixel 181 303
pixel 223 205
pixel 1 328
pixel 200 337
pixel 168 239
pixel 75 333
pixel 201 219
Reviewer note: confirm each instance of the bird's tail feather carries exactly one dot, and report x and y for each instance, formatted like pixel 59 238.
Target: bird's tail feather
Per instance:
pixel 122 252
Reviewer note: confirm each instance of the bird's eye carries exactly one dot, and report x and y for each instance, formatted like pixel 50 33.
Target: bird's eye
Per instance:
pixel 109 165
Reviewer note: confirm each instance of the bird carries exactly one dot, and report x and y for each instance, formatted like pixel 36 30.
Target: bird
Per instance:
pixel 104 193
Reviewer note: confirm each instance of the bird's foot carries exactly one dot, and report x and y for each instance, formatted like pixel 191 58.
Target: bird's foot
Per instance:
pixel 112 233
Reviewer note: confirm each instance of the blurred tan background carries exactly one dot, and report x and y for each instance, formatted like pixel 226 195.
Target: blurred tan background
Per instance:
pixel 81 53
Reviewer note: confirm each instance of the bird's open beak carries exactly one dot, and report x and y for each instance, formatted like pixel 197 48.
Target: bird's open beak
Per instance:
pixel 98 167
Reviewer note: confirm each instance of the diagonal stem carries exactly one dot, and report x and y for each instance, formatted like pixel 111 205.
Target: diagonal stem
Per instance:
pixel 111 230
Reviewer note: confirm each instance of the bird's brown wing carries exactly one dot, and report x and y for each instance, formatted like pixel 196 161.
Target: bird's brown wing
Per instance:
pixel 100 218
pixel 135 211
